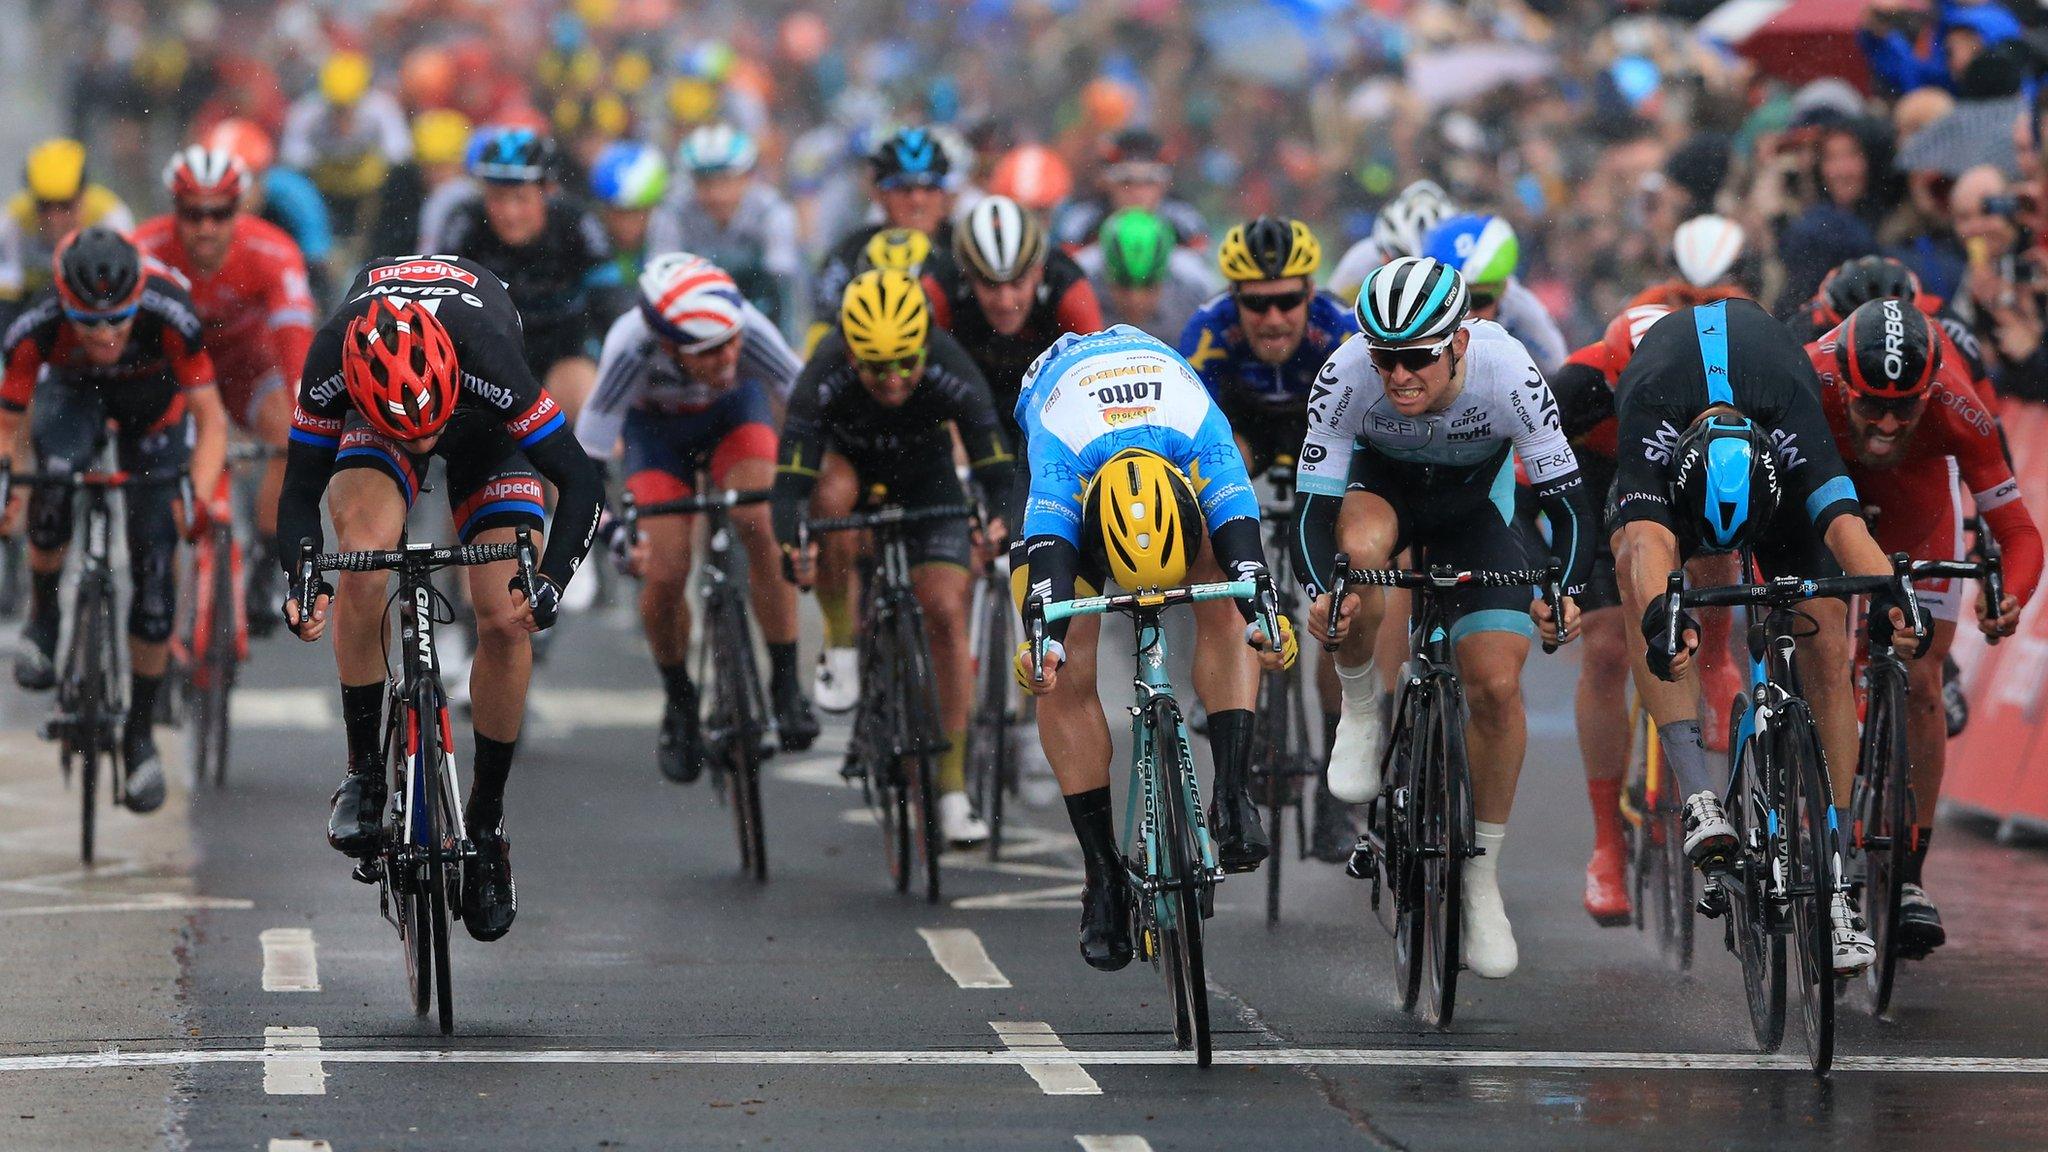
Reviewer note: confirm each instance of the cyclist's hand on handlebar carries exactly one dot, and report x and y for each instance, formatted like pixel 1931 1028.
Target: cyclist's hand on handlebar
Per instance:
pixel 205 515
pixel 1274 657
pixel 2005 623
pixel 800 565
pixel 15 514
pixel 539 613
pixel 310 628
pixel 1667 667
pixel 1887 614
pixel 1319 615
pixel 1547 626
pixel 1055 656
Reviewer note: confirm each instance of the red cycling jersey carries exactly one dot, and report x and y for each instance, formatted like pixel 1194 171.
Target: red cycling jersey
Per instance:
pixel 1912 496
pixel 257 308
pixel 1676 294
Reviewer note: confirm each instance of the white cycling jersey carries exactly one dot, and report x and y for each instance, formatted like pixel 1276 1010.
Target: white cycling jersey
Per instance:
pixel 634 372
pixel 1504 403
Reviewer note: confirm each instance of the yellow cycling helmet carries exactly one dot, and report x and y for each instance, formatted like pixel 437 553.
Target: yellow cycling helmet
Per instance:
pixel 884 316
pixel 55 171
pixel 345 78
pixel 1139 513
pixel 897 250
pixel 440 136
pixel 1268 248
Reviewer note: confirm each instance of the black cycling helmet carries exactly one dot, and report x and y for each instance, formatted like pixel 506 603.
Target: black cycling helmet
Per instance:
pixel 1724 481
pixel 512 156
pixel 98 272
pixel 1268 248
pixel 1887 350
pixel 910 157
pixel 1857 282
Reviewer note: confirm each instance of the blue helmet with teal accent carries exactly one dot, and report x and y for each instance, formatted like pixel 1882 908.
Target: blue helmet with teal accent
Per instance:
pixel 629 176
pixel 1724 481
pixel 910 157
pixel 1484 249
pixel 1411 299
pixel 511 156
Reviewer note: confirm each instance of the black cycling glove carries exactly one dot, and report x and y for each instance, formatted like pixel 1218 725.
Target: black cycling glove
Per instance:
pixel 1880 616
pixel 1656 625
pixel 547 599
pixel 307 599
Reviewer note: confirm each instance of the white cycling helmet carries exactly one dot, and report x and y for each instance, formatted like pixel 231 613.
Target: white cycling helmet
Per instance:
pixel 717 148
pixel 999 241
pixel 691 302
pixel 1400 227
pixel 1706 248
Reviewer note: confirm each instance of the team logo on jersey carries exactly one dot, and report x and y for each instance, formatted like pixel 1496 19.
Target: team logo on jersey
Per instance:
pixel 1120 416
pixel 421 272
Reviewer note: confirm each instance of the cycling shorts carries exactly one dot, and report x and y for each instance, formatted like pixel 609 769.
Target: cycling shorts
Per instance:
pixel 1469 525
pixel 666 451
pixel 1268 430
pixel 1917 508
pixel 932 541
pixel 489 483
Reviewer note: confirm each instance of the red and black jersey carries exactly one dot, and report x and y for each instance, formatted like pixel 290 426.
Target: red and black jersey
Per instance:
pixel 165 356
pixel 1066 303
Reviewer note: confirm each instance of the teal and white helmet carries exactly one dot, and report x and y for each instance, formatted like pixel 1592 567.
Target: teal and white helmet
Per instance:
pixel 717 148
pixel 1411 299
pixel 1484 249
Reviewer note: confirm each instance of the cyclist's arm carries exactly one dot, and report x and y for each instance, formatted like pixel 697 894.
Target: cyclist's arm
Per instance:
pixel 303 212
pixel 17 387
pixel 1322 470
pixel 193 369
pixel 291 315
pixel 767 358
pixel 1815 476
pixel 621 378
pixel 1052 524
pixel 1203 350
pixel 1533 325
pixel 1078 309
pixel 1230 508
pixel 1554 475
pixel 579 498
pixel 1981 460
pixel 800 451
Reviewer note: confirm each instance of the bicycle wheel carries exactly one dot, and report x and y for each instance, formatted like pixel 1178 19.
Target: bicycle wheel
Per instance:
pixel 1447 822
pixel 1415 744
pixel 1812 885
pixel 1178 905
pixel 1759 948
pixel 736 686
pixel 874 748
pixel 441 840
pixel 991 755
pixel 1270 758
pixel 1675 903
pixel 223 657
pixel 1885 831
pixel 98 713
pixel 415 912
pixel 920 735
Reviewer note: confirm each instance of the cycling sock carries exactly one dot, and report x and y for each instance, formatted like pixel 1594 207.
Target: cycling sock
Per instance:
pixel 782 665
pixel 1330 720
pixel 1606 798
pixel 953 763
pixel 1686 756
pixel 675 680
pixel 1089 812
pixel 487 790
pixel 1916 854
pixel 1230 744
pixel 362 716
pixel 44 612
pixel 838 621
pixel 141 704
pixel 1485 867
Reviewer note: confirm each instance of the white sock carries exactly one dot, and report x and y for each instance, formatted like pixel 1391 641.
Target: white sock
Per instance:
pixel 1361 687
pixel 1488 838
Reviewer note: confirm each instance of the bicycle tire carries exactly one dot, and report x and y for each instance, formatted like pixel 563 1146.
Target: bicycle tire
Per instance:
pixel 735 683
pixel 991 755
pixel 1805 815
pixel 1448 818
pixel 1403 864
pixel 1270 752
pixel 223 651
pixel 874 729
pixel 1677 926
pixel 1178 905
pixel 415 936
pixel 1758 947
pixel 441 841
pixel 1883 825
pixel 920 733
pixel 99 708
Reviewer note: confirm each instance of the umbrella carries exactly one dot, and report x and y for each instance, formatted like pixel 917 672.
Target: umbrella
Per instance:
pixel 1976 132
pixel 1460 73
pixel 1249 42
pixel 1793 40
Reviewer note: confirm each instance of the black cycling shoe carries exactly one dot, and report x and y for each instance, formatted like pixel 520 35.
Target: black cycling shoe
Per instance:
pixel 1920 930
pixel 357 820
pixel 489 900
pixel 680 752
pixel 796 726
pixel 145 788
pixel 1241 844
pixel 1106 925
pixel 1332 836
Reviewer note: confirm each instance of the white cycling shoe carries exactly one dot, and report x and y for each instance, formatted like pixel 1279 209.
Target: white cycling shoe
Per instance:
pixel 1854 949
pixel 958 825
pixel 1490 949
pixel 1355 753
pixel 837 685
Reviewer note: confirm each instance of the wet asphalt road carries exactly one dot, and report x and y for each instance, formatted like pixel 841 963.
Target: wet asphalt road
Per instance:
pixel 650 998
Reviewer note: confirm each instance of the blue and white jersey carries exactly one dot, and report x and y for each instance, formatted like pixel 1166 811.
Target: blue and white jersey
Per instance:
pixel 1091 396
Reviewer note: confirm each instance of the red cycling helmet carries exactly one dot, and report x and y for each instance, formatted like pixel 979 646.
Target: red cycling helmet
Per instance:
pixel 199 171
pixel 1627 330
pixel 399 365
pixel 1887 349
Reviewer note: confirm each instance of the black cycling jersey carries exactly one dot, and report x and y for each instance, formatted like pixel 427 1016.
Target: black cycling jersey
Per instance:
pixel 843 262
pixel 1065 303
pixel 830 409
pixel 165 356
pixel 497 391
pixel 563 279
pixel 1767 377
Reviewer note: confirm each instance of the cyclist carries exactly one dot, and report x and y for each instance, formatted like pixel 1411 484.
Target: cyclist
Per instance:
pixel 627 181
pixel 1399 230
pixel 1143 278
pixel 1710 254
pixel 1122 438
pixel 1135 174
pixel 731 217
pixel 1413 434
pixel 422 359
pixel 116 342
pixel 910 169
pixel 1866 278
pixel 249 285
pixel 1486 251
pixel 1916 437
pixel 551 254
pixel 871 409
pixel 281 196
pixel 686 381
pixel 346 137
pixel 1720 401
pixel 57 198
pixel 904 250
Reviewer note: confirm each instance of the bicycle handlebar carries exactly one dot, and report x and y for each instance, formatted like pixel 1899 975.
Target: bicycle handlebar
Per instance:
pixel 414 559
pixel 890 516
pixel 691 505
pixel 1443 577
pixel 1037 613
pixel 1785 591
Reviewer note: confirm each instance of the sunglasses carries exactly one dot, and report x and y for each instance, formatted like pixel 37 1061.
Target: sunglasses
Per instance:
pixel 1413 357
pixel 219 215
pixel 1903 409
pixel 45 206
pixel 909 365
pixel 101 319
pixel 1265 302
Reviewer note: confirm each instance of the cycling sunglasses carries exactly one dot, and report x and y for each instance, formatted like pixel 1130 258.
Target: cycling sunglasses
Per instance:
pixel 219 215
pixel 910 365
pixel 1263 302
pixel 101 319
pixel 1413 357
pixel 1904 409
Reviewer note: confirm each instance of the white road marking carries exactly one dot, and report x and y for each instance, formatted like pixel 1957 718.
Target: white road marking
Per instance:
pixel 159 902
pixel 1036 1038
pixel 1013 1057
pixel 563 710
pixel 959 952
pixel 308 709
pixel 291 1062
pixel 282 1145
pixel 1098 1144
pixel 290 961
pixel 1066 897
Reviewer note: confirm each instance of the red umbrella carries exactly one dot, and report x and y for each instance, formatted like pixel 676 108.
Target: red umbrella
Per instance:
pixel 1794 40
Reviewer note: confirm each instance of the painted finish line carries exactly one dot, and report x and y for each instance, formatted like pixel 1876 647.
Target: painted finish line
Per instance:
pixel 1243 1057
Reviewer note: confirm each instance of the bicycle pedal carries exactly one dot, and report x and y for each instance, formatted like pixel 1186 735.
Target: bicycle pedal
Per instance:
pixel 367 871
pixel 1364 863
pixel 1713 901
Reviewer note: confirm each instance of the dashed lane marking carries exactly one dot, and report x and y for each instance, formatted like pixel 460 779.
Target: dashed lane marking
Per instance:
pixel 291 1063
pixel 279 1144
pixel 565 710
pixel 1105 1144
pixel 959 952
pixel 290 961
pixel 301 709
pixel 159 902
pixel 1036 1038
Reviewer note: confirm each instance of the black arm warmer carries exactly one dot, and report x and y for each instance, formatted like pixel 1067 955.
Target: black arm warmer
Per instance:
pixel 1571 528
pixel 307 469
pixel 579 497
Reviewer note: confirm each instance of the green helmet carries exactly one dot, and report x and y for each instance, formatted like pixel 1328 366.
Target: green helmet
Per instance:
pixel 1136 245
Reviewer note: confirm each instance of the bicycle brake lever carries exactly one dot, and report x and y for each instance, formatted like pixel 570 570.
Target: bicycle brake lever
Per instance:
pixel 1341 589
pixel 1674 598
pixel 1553 593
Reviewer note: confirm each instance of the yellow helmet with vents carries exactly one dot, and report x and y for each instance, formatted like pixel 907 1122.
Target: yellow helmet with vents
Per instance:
pixel 1268 248
pixel 884 316
pixel 1139 513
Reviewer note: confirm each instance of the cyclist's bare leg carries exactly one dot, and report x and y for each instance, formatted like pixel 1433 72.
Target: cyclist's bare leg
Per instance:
pixel 774 598
pixel 838 489
pixel 1390 637
pixel 570 381
pixel 1366 532
pixel 369 513
pixel 504 649
pixel 942 591
pixel 1926 724
pixel 1226 668
pixel 1071 724
pixel 664 582
pixel 270 420
pixel 1823 663
pixel 1497 734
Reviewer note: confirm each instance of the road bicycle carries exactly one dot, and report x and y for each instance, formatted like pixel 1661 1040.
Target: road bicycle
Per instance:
pixel 422 847
pixel 991 742
pixel 1283 767
pixel 90 710
pixel 1653 822
pixel 896 734
pixel 1787 864
pixel 1169 857
pixel 210 656
pixel 1419 831
pixel 734 731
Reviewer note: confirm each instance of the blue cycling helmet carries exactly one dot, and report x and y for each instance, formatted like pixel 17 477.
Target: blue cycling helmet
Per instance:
pixel 910 157
pixel 629 176
pixel 511 156
pixel 717 148
pixel 1484 249
pixel 1724 481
